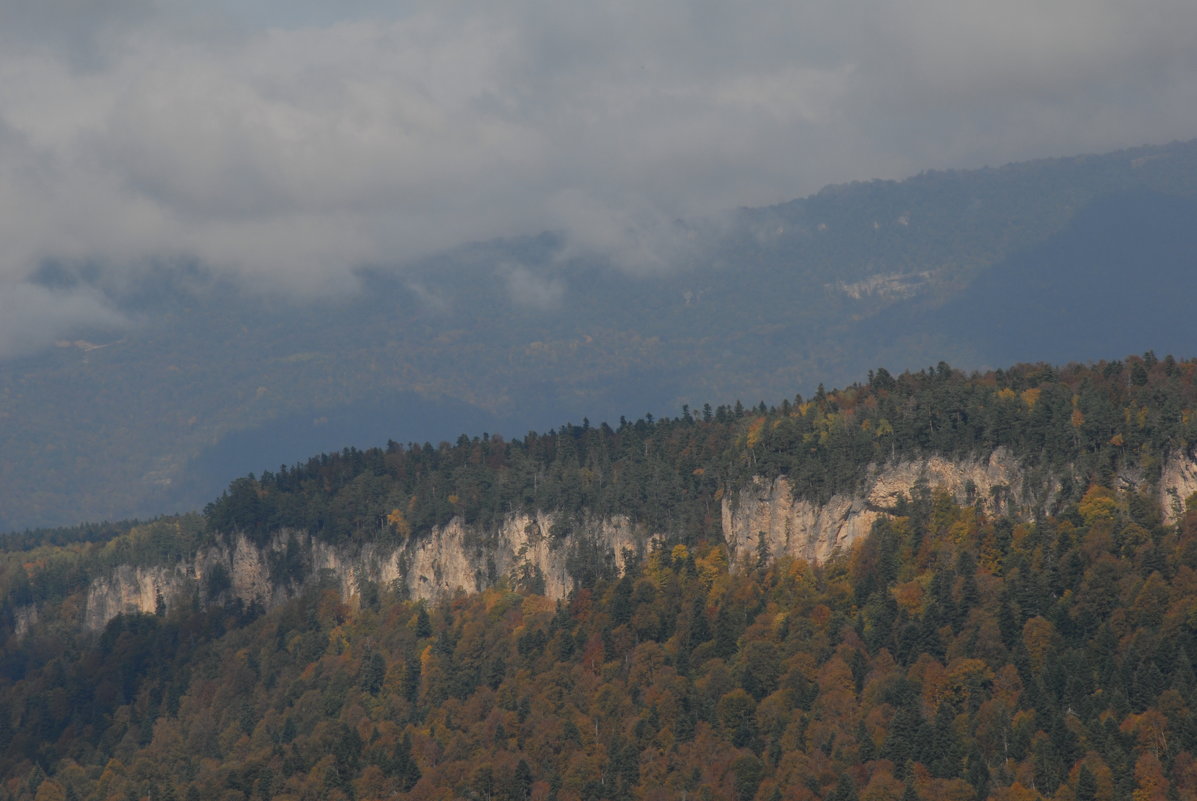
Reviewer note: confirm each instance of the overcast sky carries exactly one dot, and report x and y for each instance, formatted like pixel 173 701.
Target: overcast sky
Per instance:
pixel 287 142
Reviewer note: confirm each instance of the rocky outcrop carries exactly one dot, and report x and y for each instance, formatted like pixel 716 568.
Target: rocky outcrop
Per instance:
pixel 24 618
pixel 546 551
pixel 542 551
pixel 1178 481
pixel 524 548
pixel 767 512
pixel 130 589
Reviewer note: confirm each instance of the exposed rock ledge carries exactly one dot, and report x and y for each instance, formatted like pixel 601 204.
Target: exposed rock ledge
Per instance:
pixel 450 558
pixel 1177 482
pixel 460 557
pixel 813 531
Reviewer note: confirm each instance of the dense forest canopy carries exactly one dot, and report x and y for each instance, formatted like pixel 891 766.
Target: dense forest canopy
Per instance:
pixel 1092 420
pixel 951 654
pixel 1087 423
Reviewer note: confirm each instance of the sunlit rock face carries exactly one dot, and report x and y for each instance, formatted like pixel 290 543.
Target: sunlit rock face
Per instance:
pixel 545 551
pixel 526 550
pixel 767 513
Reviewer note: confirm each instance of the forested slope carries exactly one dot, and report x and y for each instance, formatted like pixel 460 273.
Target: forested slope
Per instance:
pixel 1092 422
pixel 954 652
pixel 948 656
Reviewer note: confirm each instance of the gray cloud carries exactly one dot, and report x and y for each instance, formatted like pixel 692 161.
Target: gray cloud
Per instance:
pixel 527 289
pixel 287 147
pixel 32 317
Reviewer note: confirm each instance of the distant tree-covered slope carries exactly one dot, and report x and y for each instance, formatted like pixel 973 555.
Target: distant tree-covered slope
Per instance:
pixel 210 381
pixel 1118 275
pixel 1085 423
pixel 1108 422
pixel 950 655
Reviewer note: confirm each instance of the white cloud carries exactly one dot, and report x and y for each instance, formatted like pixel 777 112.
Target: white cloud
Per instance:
pixel 32 317
pixel 288 155
pixel 530 290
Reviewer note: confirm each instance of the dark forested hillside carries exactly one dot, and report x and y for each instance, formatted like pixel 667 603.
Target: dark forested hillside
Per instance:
pixel 950 654
pixel 1093 420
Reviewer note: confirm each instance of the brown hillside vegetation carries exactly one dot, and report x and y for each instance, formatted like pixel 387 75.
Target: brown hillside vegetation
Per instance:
pixel 947 656
pixel 953 653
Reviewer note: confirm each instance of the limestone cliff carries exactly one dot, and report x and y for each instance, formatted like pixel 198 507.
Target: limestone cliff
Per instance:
pixel 448 559
pixel 794 527
pixel 814 531
pixel 1177 482
pixel 546 551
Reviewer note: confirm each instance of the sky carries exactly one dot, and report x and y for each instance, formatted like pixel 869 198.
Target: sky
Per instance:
pixel 288 143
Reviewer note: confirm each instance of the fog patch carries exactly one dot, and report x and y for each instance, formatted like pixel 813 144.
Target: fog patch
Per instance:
pixel 636 238
pixel 34 317
pixel 532 291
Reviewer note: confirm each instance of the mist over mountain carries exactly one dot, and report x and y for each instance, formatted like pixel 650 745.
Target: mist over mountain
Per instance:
pixel 1116 279
pixel 189 377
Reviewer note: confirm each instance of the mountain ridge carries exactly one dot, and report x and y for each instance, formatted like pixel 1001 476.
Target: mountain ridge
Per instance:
pixel 981 641
pixel 536 515
pixel 442 562
pixel 524 333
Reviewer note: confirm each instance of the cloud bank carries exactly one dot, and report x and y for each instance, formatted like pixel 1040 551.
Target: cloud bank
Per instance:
pixel 288 146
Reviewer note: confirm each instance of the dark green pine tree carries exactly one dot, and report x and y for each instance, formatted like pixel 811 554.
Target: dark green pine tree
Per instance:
pixel 406 769
pixel 1086 785
pixel 727 631
pixel 945 751
pixel 411 679
pixel 700 630
pixel 1183 678
pixel 907 738
pixel 523 780
pixel 845 790
pixel 748 772
pixel 1147 684
pixel 373 672
pixel 866 751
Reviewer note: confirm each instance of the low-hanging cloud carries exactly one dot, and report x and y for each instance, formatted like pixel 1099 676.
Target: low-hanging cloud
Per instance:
pixel 532 291
pixel 33 316
pixel 288 152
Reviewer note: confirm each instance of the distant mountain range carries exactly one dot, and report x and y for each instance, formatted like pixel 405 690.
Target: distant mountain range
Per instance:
pixel 1059 259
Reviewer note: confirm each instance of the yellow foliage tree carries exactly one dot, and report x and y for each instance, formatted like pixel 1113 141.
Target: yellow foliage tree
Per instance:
pixel 398 521
pixel 1150 783
pixel 755 430
pixel 1099 503
pixel 1038 636
pixel 50 790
